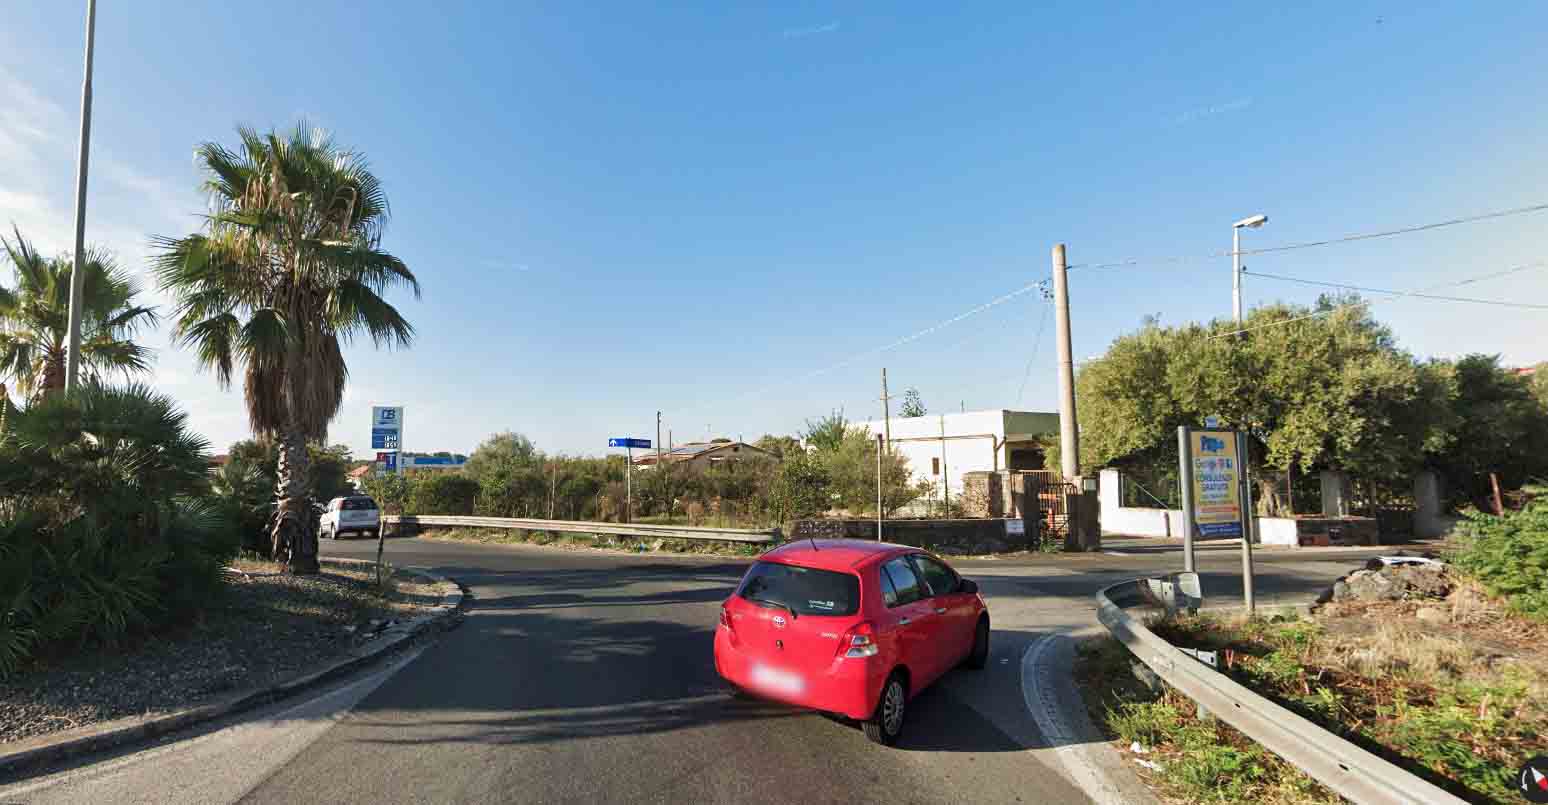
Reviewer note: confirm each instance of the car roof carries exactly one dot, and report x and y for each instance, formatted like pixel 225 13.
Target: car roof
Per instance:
pixel 835 554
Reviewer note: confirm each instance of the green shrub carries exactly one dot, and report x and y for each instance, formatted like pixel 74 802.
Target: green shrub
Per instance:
pixel 106 524
pixel 441 493
pixel 1509 555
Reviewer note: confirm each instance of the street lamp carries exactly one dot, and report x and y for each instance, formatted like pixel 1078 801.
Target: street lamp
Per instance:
pixel 1236 262
pixel 77 272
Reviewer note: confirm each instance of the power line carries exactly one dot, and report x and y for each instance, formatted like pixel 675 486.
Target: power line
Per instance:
pixel 1398 295
pixel 1022 291
pixel 1037 344
pixel 1415 294
pixel 1387 233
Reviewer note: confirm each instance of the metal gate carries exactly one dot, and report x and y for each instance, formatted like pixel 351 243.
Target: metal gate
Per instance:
pixel 1049 495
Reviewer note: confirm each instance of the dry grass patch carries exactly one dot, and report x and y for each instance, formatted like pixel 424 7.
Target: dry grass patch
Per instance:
pixel 1454 692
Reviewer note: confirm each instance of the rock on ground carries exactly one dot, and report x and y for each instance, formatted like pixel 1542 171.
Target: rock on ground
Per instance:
pixel 1394 583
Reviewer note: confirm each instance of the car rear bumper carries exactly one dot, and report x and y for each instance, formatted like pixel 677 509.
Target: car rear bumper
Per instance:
pixel 848 687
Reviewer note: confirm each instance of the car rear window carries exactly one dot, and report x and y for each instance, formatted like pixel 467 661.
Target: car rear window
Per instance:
pixel 357 504
pixel 804 590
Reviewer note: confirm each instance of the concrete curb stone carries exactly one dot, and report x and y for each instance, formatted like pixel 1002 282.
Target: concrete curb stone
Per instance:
pixel 47 749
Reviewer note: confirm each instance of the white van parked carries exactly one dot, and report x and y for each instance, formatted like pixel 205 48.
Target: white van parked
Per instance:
pixel 356 514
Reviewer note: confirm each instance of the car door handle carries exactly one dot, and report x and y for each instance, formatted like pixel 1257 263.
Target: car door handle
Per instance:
pixel 940 610
pixel 904 621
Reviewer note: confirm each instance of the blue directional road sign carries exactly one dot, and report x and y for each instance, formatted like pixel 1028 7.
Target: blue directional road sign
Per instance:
pixel 623 442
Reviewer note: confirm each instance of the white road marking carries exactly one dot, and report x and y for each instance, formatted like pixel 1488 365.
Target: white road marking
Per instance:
pixel 1041 696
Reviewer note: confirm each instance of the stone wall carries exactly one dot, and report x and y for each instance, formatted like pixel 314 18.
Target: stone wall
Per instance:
pixel 976 536
pixel 996 494
pixel 982 494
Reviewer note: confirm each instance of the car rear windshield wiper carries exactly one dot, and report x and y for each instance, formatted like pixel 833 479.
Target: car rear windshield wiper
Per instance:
pixel 782 605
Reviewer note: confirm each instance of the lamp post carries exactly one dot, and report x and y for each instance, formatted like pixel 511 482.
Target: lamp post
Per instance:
pixel 1236 262
pixel 77 273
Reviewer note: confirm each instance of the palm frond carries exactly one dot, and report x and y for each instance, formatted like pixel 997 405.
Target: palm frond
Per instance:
pixel 213 341
pixel 265 337
pixel 353 307
pixel 374 268
pixel 103 353
pixel 130 320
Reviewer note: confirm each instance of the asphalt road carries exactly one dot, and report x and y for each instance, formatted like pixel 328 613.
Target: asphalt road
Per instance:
pixel 584 676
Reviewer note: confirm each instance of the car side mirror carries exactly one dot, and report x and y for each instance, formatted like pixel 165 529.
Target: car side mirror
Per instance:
pixel 969 587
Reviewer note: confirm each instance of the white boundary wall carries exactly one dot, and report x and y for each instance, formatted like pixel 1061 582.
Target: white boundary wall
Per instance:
pixel 1133 521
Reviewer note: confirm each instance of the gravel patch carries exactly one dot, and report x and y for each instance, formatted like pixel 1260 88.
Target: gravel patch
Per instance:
pixel 263 630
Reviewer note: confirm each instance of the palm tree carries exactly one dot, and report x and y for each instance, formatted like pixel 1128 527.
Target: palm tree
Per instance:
pixel 287 267
pixel 34 320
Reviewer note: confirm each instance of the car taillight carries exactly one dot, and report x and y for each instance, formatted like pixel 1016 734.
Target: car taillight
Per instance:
pixel 725 617
pixel 859 641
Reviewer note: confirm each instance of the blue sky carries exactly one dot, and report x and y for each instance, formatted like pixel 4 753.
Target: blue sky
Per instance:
pixel 696 208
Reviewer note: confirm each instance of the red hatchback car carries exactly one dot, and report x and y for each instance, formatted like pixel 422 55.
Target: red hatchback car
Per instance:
pixel 850 627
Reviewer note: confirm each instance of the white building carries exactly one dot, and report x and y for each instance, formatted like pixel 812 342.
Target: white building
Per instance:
pixel 949 445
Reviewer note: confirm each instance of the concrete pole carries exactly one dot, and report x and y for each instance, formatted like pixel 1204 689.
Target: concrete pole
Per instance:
pixel 879 509
pixel 628 484
pixel 658 440
pixel 886 410
pixel 1069 447
pixel 945 473
pixel 1236 275
pixel 78 274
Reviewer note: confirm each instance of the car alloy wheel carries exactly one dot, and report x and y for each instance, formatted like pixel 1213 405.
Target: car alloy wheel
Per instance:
pixel 886 722
pixel 892 707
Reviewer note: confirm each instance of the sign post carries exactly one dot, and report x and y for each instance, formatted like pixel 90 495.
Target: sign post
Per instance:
pixel 1249 531
pixel 1217 501
pixel 1185 468
pixel 628 444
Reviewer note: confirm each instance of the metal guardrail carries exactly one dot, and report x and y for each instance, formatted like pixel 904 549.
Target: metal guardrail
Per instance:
pixel 1336 763
pixel 583 527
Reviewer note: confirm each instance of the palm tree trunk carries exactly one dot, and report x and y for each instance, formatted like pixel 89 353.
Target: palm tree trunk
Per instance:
pixel 53 373
pixel 294 536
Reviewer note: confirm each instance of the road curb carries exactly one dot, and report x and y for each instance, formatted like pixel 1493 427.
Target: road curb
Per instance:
pixel 47 749
pixel 1059 708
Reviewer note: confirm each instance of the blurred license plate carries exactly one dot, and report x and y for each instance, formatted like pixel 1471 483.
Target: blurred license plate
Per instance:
pixel 777 681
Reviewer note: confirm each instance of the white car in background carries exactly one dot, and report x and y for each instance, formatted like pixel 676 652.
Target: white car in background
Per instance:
pixel 355 514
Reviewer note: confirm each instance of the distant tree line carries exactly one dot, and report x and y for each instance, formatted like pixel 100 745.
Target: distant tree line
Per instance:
pixel 508 476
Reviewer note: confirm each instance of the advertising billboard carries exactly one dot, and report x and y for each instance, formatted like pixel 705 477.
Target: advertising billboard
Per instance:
pixel 1217 504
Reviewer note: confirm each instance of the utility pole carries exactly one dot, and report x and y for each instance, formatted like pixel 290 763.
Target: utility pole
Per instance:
pixel 1069 447
pixel 78 273
pixel 629 484
pixel 886 410
pixel 658 440
pixel 553 488
pixel 879 509
pixel 945 473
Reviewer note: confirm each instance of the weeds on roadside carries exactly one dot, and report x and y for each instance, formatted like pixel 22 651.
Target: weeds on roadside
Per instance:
pixel 1196 760
pixel 1440 705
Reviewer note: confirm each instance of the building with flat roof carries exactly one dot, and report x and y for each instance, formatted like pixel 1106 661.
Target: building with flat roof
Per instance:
pixel 941 447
